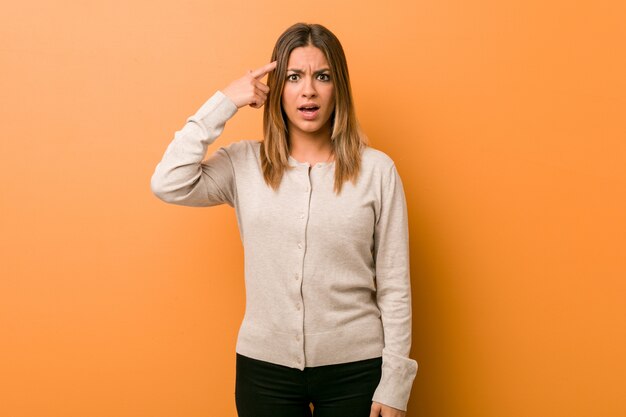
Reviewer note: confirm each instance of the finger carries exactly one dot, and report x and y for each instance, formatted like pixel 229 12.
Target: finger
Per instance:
pixel 260 72
pixel 257 105
pixel 258 101
pixel 260 94
pixel 375 411
pixel 262 87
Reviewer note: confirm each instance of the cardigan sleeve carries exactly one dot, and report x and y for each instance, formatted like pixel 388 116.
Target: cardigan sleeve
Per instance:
pixel 182 177
pixel 393 294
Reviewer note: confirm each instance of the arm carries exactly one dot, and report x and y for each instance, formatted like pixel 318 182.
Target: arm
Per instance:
pixel 181 177
pixel 393 294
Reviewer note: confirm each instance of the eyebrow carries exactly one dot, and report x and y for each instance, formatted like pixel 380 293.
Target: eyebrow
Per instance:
pixel 299 71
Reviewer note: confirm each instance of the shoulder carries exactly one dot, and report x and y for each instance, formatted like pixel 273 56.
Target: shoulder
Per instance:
pixel 373 159
pixel 242 149
pixel 243 156
pixel 380 168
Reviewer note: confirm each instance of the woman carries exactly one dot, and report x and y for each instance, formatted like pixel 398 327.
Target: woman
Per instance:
pixel 323 221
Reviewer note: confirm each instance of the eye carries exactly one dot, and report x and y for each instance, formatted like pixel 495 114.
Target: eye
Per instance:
pixel 292 77
pixel 324 77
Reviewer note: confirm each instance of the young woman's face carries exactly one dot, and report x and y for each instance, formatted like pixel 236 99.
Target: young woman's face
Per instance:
pixel 308 97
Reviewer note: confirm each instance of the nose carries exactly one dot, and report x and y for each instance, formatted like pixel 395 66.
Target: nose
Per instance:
pixel 308 89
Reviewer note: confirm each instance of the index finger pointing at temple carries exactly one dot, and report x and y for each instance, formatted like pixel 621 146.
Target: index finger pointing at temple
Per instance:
pixel 260 72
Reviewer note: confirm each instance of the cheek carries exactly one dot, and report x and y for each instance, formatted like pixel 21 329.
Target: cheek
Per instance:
pixel 287 98
pixel 330 94
pixel 330 104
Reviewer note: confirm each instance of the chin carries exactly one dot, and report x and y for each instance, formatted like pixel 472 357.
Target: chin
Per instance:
pixel 312 128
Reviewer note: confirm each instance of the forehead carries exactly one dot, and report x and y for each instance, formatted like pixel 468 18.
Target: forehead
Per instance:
pixel 307 56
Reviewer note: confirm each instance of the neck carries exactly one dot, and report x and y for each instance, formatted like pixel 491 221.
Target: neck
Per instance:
pixel 310 146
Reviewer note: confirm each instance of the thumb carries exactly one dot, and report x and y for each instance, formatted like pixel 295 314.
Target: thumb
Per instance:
pixel 375 410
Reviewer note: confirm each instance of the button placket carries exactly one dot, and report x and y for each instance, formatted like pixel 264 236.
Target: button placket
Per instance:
pixel 302 215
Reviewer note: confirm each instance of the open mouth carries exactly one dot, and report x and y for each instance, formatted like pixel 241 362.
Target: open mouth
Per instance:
pixel 309 109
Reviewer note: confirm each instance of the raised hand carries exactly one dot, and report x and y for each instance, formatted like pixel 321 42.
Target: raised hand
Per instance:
pixel 249 90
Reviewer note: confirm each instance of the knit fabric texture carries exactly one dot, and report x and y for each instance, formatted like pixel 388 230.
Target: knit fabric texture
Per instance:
pixel 326 276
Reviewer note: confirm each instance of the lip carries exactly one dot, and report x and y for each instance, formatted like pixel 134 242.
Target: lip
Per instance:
pixel 309 115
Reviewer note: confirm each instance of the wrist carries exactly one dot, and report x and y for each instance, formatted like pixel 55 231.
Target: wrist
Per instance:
pixel 229 96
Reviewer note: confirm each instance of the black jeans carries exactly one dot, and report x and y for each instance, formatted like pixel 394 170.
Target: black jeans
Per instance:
pixel 264 389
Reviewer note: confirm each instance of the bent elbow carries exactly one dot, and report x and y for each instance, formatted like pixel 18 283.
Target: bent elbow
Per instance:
pixel 158 188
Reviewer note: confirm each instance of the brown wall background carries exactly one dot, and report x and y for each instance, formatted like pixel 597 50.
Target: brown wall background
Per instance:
pixel 507 121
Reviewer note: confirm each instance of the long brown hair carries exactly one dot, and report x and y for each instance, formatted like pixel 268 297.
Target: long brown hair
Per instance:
pixel 346 138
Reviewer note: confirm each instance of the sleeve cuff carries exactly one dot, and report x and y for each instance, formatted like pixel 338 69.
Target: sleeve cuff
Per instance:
pixel 396 381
